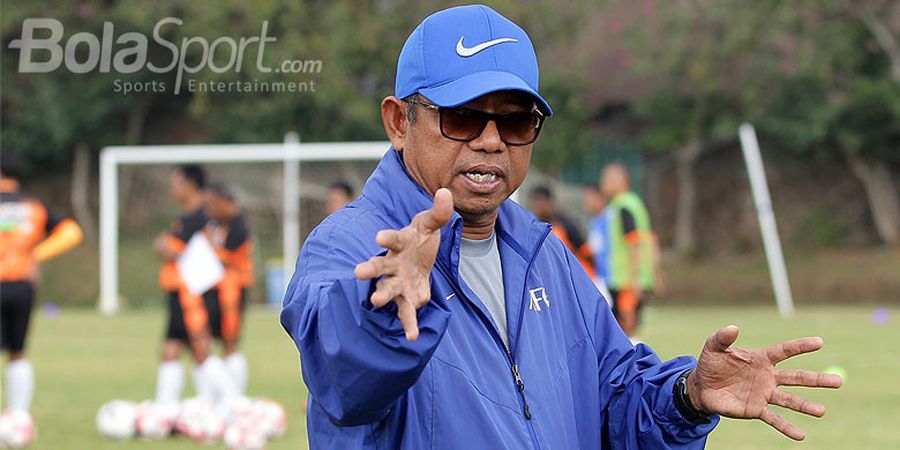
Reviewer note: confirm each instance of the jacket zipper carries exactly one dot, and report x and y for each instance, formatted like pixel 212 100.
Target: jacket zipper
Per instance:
pixel 510 357
pixel 520 385
pixel 514 369
pixel 510 360
pixel 514 346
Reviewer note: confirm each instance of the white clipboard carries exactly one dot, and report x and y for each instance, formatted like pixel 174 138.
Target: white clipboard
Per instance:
pixel 199 266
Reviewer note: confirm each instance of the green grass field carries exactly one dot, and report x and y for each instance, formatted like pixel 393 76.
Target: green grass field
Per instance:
pixel 83 359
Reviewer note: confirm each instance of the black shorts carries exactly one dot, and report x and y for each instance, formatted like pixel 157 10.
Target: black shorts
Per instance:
pixel 16 302
pixel 176 328
pixel 624 299
pixel 214 309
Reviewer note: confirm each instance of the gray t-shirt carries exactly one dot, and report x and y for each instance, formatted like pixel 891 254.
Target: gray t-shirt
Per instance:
pixel 479 266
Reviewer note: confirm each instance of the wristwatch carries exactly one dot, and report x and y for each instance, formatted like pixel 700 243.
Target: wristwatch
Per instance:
pixel 683 401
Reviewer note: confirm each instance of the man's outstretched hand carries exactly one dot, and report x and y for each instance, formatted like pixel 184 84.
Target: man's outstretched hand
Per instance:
pixel 406 268
pixel 742 383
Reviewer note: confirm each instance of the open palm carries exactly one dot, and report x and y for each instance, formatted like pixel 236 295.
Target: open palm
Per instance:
pixel 742 383
pixel 405 271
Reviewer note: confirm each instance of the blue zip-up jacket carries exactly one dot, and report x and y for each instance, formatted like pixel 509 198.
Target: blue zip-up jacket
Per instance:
pixel 570 379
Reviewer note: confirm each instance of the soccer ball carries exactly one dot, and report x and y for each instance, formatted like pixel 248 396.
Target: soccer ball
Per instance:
pixel 17 429
pixel 116 419
pixel 241 408
pixel 242 411
pixel 271 417
pixel 244 436
pixel 199 420
pixel 154 421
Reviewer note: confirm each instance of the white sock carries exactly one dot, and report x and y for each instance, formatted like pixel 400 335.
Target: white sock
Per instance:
pixel 223 388
pixel 169 382
pixel 221 383
pixel 19 385
pixel 201 382
pixel 236 364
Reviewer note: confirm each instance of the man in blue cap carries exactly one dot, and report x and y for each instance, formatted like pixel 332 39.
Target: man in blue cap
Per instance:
pixel 433 312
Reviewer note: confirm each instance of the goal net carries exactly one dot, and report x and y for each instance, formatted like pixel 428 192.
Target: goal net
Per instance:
pixel 281 189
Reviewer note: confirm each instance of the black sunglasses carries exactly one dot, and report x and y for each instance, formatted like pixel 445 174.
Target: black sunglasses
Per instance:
pixel 465 124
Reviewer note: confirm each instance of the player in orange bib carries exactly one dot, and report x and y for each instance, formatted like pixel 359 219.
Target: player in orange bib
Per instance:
pixel 229 235
pixel 30 233
pixel 543 205
pixel 188 321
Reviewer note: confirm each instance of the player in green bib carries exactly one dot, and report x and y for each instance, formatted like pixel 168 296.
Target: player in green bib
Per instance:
pixel 631 247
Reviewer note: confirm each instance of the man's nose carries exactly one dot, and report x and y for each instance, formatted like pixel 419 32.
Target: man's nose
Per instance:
pixel 489 139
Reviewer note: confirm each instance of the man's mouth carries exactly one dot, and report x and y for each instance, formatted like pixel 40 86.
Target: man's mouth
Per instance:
pixel 483 179
pixel 483 173
pixel 480 177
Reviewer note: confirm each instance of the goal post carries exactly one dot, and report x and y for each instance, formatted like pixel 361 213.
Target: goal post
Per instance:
pixel 291 154
pixel 769 229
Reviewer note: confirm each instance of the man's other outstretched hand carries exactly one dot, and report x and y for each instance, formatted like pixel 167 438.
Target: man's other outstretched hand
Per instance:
pixel 742 383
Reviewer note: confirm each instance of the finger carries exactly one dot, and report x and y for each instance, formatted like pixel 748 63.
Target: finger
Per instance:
pixel 439 214
pixel 389 239
pixel 375 267
pixel 794 347
pixel 723 339
pixel 406 312
pixel 797 403
pixel 808 378
pixel 386 290
pixel 781 424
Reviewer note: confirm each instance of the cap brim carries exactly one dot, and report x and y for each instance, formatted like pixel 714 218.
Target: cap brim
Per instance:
pixel 470 87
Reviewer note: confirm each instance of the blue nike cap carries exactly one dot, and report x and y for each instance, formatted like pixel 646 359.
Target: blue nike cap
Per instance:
pixel 461 53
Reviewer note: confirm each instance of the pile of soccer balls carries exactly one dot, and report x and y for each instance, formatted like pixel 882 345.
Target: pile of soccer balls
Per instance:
pixel 17 429
pixel 246 425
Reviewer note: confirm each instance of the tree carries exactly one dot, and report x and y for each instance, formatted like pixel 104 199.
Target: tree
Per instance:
pixel 870 137
pixel 357 43
pixel 696 61
pixel 53 118
pixel 818 78
pixel 843 99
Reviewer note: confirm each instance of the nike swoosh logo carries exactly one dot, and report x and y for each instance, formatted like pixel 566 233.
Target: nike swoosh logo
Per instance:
pixel 465 52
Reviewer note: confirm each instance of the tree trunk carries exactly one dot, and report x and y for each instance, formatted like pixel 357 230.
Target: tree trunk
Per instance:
pixel 81 185
pixel 652 179
pixel 137 118
pixel 884 202
pixel 686 158
pixel 885 38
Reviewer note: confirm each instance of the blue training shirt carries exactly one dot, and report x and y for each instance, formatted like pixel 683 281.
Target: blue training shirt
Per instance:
pixel 599 242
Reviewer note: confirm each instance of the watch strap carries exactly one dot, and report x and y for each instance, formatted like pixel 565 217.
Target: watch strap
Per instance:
pixel 683 401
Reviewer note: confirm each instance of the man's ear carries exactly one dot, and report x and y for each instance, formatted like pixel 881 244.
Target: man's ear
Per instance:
pixel 393 115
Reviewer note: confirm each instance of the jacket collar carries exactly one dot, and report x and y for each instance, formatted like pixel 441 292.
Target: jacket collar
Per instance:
pixel 393 191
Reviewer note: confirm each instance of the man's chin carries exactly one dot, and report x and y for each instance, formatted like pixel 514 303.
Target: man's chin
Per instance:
pixel 471 208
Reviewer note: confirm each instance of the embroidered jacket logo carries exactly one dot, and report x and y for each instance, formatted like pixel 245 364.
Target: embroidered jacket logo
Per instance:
pixel 538 295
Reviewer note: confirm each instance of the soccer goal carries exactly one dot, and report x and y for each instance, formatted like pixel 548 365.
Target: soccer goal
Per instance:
pixel 281 189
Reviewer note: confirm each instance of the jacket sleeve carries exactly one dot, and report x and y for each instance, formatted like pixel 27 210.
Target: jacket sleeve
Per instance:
pixel 636 388
pixel 355 359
